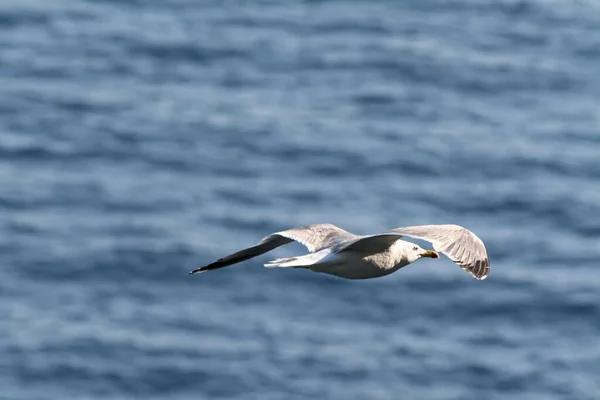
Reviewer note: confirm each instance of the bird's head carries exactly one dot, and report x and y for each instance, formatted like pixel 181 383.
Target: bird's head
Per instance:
pixel 417 252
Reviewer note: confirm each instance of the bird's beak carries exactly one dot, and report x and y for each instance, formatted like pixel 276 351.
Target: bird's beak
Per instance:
pixel 430 254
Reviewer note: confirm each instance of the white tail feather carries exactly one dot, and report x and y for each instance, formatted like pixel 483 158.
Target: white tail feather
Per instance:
pixel 300 261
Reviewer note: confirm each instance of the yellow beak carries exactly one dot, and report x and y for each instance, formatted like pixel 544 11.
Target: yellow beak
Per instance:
pixel 430 254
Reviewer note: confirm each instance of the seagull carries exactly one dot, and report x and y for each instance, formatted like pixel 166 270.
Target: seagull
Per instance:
pixel 335 251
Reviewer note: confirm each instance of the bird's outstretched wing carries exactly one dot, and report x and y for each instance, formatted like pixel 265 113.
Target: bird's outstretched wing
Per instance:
pixel 314 237
pixel 460 245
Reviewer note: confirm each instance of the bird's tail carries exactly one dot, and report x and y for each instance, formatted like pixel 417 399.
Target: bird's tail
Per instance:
pixel 300 261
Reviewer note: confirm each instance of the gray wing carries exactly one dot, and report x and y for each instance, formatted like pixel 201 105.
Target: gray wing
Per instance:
pixel 370 244
pixel 318 236
pixel 314 237
pixel 460 245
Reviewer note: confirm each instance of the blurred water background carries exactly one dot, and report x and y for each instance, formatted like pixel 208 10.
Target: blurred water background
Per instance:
pixel 142 139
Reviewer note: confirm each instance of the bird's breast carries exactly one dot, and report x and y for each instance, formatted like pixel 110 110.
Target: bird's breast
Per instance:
pixel 350 265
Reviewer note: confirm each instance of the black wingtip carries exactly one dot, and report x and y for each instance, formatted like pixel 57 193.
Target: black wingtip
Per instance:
pixel 196 271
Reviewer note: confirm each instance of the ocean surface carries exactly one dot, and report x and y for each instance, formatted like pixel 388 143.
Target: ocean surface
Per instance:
pixel 142 139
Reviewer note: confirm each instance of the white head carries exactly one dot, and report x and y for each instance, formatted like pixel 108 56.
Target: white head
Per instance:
pixel 415 252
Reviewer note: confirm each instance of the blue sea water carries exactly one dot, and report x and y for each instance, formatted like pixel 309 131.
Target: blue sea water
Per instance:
pixel 142 139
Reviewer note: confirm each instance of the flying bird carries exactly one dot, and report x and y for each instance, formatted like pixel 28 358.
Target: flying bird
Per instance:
pixel 335 251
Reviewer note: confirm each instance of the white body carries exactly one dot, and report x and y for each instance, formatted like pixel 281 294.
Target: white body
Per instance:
pixel 353 264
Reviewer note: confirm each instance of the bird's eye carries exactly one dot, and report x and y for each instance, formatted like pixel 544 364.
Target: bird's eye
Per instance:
pixel 415 248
